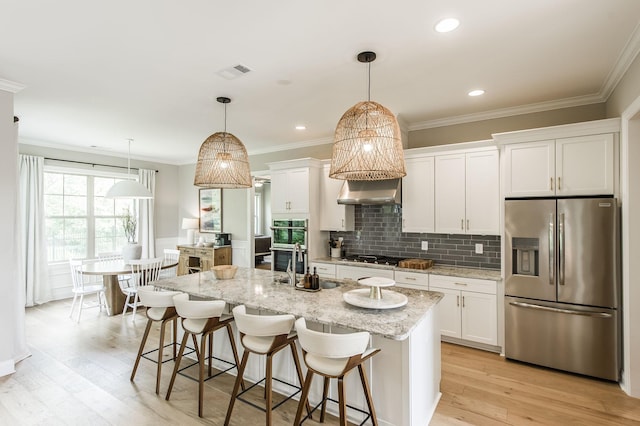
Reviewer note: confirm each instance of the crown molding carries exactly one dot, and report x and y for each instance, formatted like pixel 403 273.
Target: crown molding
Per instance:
pixel 11 86
pixel 286 147
pixel 507 112
pixel 97 151
pixel 626 58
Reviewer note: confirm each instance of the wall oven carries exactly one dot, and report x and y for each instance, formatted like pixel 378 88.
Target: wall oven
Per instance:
pixel 285 234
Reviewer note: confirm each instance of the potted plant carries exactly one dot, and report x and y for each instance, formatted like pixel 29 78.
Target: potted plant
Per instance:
pixel 132 250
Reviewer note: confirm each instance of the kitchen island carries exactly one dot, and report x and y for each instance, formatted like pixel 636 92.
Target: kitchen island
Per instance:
pixel 404 376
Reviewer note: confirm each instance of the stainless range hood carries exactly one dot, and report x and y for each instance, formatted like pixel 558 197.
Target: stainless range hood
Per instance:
pixel 371 192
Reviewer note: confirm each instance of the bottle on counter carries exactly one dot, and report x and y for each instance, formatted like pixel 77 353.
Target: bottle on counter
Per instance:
pixel 315 280
pixel 307 279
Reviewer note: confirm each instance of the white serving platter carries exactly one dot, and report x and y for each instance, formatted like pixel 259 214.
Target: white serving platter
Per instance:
pixel 360 298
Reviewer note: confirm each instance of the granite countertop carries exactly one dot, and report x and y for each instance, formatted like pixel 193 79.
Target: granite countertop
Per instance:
pixel 453 271
pixel 256 289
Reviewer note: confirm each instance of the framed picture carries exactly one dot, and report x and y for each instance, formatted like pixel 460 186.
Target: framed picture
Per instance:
pixel 210 206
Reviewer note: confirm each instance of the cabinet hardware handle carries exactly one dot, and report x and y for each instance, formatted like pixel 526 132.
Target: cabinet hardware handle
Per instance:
pixel 462 224
pixel 559 183
pixel 467 224
pixel 343 223
pixel 551 184
pixel 409 278
pixel 457 300
pixel 464 284
pixel 463 301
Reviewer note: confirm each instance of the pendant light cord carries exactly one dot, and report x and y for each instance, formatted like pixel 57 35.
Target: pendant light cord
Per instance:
pixel 369 84
pixel 129 161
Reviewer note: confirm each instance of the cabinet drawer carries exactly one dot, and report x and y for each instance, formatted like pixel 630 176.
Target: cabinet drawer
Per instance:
pixel 324 269
pixel 187 250
pixel 204 252
pixel 466 284
pixel 412 280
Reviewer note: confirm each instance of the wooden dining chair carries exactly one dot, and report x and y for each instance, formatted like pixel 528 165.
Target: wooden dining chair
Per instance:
pixel 143 271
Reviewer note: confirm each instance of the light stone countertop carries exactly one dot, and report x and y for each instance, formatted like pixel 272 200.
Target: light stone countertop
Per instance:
pixel 255 288
pixel 452 271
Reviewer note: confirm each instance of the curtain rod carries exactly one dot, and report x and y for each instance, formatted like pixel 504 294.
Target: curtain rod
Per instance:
pixel 93 164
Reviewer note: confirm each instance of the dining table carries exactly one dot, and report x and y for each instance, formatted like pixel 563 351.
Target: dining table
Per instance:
pixel 110 270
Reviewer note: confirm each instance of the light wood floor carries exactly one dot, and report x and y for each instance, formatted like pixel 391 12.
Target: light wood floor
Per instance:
pixel 79 374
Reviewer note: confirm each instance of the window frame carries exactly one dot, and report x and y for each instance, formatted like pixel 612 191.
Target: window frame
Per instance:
pixel 91 217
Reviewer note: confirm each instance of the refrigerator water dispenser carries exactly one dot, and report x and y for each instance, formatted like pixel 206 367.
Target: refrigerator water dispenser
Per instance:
pixel 525 256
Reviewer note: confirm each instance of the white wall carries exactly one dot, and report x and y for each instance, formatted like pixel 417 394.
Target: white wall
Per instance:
pixel 630 158
pixel 12 337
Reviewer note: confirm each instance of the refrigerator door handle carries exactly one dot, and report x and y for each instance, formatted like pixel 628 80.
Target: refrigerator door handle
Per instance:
pixel 551 250
pixel 561 311
pixel 561 249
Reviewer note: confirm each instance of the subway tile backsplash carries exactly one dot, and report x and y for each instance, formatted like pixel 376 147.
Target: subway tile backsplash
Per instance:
pixel 378 231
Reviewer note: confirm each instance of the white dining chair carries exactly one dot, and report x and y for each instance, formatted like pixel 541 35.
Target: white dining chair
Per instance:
pixel 143 271
pixel 116 256
pixel 170 256
pixel 83 286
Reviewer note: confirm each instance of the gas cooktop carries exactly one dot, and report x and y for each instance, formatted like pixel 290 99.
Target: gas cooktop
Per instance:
pixel 368 258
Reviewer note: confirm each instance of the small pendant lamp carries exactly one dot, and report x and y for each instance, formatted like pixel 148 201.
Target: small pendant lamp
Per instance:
pixel 223 161
pixel 128 188
pixel 367 143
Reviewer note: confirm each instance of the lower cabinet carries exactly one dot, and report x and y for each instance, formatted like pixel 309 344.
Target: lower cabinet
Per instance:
pixel 356 272
pixel 469 308
pixel 324 270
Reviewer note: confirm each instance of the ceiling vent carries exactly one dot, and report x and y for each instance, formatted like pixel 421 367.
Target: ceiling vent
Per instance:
pixel 234 72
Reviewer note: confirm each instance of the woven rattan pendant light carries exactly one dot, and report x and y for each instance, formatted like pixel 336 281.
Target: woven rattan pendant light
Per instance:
pixel 223 161
pixel 367 144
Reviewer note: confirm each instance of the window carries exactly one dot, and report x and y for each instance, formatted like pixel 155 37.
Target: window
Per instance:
pixel 80 222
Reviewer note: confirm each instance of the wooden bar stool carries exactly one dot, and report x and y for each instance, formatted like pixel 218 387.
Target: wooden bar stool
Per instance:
pixel 333 356
pixel 264 335
pixel 160 308
pixel 202 318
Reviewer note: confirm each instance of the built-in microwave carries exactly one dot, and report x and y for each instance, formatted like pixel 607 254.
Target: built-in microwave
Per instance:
pixel 287 232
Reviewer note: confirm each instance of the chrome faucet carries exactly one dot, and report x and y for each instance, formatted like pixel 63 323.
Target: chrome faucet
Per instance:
pixel 293 280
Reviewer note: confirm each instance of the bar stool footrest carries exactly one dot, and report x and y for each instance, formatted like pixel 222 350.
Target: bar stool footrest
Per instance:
pixel 297 388
pixel 368 414
pixel 144 355
pixel 180 371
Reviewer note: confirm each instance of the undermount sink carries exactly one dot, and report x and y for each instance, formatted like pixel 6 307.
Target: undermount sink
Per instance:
pixel 327 284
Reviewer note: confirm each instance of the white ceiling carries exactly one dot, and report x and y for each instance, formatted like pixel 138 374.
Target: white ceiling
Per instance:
pixel 97 73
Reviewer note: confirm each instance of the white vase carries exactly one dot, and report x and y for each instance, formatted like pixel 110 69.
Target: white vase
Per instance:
pixel 131 251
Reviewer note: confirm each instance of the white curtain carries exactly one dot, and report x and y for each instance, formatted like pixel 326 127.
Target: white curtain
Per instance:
pixel 32 240
pixel 146 230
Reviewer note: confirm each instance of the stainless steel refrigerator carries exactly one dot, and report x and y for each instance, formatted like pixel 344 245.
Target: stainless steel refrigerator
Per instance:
pixel 562 284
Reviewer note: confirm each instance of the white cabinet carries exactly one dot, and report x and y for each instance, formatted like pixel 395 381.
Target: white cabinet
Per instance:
pixel 580 165
pixel 333 216
pixel 324 270
pixel 290 191
pixel 467 191
pixel 416 280
pixel 468 310
pixel 417 195
pixel 357 272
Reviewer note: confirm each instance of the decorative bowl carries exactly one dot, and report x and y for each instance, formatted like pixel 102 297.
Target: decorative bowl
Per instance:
pixel 224 272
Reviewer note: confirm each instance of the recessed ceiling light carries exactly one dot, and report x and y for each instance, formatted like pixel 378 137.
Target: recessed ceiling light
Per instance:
pixel 446 25
pixel 477 92
pixel 301 127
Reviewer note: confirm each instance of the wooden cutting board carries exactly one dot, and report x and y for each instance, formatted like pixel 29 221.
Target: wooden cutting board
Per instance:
pixel 416 263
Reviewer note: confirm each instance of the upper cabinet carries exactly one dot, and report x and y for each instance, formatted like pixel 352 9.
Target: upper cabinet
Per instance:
pixel 290 191
pixel 417 195
pixel 576 159
pixel 333 216
pixel 467 193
